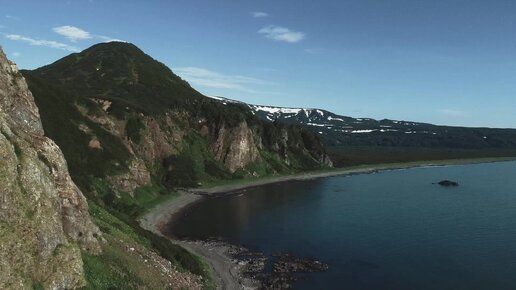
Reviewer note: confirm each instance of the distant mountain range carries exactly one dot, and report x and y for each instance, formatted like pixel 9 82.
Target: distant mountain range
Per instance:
pixel 338 130
pixel 133 133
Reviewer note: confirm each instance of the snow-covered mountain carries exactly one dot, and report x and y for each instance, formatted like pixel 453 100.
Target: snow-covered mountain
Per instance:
pixel 336 130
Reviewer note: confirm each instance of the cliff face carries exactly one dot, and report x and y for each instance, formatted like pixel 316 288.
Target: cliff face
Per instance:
pixel 131 121
pixel 44 220
pixel 235 147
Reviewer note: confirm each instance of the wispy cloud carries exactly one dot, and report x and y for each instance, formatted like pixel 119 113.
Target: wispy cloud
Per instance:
pixel 10 17
pixel 41 42
pixel 451 112
pixel 72 33
pixel 211 79
pixel 282 34
pixel 313 50
pixel 259 14
pixel 15 54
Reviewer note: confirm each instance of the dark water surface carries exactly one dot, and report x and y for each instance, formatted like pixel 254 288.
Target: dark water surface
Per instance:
pixel 391 230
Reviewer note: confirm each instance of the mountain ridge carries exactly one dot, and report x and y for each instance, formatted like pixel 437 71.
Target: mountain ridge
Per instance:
pixel 135 118
pixel 338 130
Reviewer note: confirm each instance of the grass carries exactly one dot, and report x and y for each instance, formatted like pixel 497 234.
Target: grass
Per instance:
pixel 120 222
pixel 342 170
pixel 61 120
pixel 148 196
pixel 116 268
pixel 145 197
pixel 115 227
pixel 100 273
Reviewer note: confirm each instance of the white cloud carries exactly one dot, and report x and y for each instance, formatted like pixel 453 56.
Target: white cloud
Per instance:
pixel 452 112
pixel 282 34
pixel 259 14
pixel 15 54
pixel 42 42
pixel 72 33
pixel 211 79
pixel 10 17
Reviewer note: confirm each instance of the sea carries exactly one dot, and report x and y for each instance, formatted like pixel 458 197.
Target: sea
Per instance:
pixel 394 229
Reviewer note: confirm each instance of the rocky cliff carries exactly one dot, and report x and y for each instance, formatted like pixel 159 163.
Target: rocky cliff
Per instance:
pixel 131 121
pixel 235 147
pixel 44 220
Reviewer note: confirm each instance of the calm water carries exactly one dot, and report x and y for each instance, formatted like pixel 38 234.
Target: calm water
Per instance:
pixel 391 230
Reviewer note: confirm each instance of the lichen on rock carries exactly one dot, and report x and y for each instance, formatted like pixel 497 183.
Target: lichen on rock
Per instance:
pixel 44 219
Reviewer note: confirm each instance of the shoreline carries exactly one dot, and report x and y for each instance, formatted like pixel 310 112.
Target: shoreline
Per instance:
pixel 228 189
pixel 225 271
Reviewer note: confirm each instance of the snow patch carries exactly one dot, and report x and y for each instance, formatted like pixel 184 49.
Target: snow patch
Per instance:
pixel 276 110
pixel 330 118
pixel 318 125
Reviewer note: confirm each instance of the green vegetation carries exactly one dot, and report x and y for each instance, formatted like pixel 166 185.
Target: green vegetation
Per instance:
pixel 195 164
pixel 57 249
pixel 344 156
pixel 62 122
pixel 17 151
pixel 120 268
pixel 138 86
pixel 145 197
pixel 133 127
pixel 148 196
pixel 101 275
pixel 91 103
pixel 123 74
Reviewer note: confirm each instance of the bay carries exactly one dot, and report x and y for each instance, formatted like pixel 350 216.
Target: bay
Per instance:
pixel 390 230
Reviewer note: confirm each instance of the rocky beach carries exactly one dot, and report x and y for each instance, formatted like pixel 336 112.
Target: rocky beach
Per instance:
pixel 236 267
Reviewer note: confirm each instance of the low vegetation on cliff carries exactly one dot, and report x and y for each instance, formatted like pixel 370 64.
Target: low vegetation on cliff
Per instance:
pixel 132 133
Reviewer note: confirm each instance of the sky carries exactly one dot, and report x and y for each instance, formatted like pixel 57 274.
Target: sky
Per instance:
pixel 447 62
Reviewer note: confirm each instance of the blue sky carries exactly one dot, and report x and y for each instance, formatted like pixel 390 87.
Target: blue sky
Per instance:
pixel 440 61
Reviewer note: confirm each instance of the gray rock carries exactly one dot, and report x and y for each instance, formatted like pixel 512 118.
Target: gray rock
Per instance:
pixel 44 219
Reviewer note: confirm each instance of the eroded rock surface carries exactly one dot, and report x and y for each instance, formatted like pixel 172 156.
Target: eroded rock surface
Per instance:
pixel 44 219
pixel 235 147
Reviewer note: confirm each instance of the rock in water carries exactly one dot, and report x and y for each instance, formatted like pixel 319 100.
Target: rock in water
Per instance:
pixel 448 183
pixel 44 219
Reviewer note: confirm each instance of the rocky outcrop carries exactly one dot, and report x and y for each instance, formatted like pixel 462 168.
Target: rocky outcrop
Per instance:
pixel 448 183
pixel 136 176
pixel 44 219
pixel 235 147
pixel 128 124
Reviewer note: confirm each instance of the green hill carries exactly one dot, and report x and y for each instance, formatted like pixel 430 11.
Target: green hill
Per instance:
pixel 126 121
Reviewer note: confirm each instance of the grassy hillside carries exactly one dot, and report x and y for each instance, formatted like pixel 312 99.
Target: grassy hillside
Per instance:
pixel 133 132
pixel 122 73
pixel 62 123
pixel 118 83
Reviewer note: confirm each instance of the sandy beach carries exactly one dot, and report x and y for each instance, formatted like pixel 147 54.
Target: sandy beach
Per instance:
pixel 225 270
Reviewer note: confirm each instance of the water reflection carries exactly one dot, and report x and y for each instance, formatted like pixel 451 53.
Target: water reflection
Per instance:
pixel 230 216
pixel 394 230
